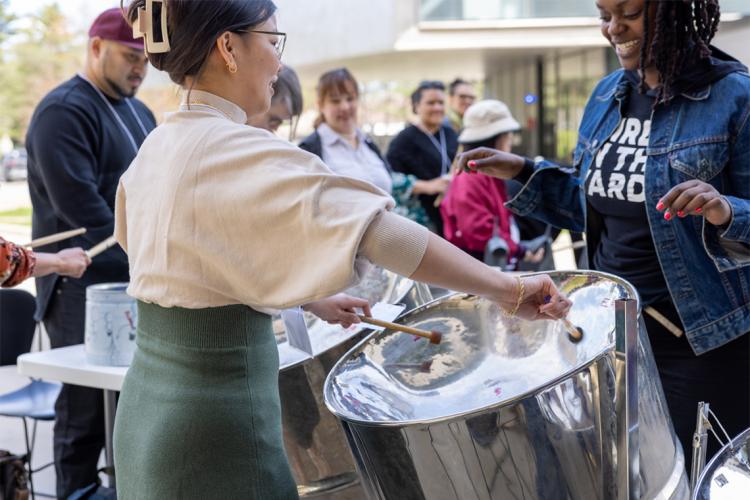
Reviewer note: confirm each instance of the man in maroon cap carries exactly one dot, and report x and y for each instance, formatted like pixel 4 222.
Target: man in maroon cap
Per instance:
pixel 82 137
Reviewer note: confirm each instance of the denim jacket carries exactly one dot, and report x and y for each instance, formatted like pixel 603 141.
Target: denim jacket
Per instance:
pixel 702 134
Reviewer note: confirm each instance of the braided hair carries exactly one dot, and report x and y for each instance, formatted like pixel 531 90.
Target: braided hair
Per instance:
pixel 682 29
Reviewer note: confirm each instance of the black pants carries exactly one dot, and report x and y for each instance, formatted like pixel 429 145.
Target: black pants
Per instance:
pixel 720 377
pixel 79 411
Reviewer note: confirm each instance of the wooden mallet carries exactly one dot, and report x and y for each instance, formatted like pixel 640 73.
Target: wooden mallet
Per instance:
pixel 575 333
pixel 434 336
pixel 54 238
pixel 100 247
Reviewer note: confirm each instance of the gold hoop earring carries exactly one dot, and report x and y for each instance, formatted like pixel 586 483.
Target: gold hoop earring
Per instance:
pixel 232 67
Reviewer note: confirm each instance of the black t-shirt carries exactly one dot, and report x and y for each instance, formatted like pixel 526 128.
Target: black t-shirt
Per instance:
pixel 413 152
pixel 615 191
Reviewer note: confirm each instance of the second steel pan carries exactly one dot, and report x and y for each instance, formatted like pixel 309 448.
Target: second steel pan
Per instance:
pixel 727 475
pixel 315 444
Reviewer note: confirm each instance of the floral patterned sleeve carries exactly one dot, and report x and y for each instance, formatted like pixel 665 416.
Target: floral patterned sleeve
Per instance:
pixel 16 263
pixel 408 205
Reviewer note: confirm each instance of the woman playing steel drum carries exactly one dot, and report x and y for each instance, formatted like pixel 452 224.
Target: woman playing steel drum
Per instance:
pixel 662 188
pixel 222 221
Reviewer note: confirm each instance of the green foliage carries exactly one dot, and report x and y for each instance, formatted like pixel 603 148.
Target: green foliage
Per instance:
pixel 20 216
pixel 5 21
pixel 42 53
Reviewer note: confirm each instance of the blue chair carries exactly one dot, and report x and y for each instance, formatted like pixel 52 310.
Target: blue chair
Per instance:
pixel 35 401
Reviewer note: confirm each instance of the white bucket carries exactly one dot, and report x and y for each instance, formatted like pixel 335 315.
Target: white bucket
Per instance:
pixel 111 320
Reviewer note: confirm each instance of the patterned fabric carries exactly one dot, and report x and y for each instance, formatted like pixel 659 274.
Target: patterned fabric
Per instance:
pixel 408 205
pixel 16 263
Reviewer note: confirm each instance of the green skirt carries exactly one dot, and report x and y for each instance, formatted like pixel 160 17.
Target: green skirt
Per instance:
pixel 199 413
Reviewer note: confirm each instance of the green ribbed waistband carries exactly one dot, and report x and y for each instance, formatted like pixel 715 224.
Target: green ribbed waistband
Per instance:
pixel 211 327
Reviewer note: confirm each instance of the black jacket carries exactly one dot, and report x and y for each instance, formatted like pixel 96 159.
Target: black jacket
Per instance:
pixel 77 153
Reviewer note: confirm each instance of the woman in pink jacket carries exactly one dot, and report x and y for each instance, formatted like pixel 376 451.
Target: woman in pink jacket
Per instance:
pixel 473 209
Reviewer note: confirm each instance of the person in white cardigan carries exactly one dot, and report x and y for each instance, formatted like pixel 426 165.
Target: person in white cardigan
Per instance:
pixel 222 221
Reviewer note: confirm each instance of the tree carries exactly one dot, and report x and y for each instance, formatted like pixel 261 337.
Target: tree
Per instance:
pixel 40 56
pixel 5 21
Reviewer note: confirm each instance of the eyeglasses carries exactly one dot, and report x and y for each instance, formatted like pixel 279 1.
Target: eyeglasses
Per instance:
pixel 280 41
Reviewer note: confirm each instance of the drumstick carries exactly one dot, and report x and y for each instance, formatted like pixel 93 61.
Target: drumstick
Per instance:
pixel 100 247
pixel 54 238
pixel 434 336
pixel 575 333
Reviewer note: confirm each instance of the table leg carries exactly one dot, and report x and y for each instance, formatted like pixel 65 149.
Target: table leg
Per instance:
pixel 109 428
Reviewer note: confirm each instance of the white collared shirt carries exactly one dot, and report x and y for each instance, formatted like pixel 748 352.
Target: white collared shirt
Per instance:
pixel 361 163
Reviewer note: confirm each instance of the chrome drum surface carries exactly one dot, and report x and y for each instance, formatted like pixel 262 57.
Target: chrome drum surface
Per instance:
pixel 727 475
pixel 503 407
pixel 315 443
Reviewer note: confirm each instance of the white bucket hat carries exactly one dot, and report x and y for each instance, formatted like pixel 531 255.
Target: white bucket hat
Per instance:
pixel 485 119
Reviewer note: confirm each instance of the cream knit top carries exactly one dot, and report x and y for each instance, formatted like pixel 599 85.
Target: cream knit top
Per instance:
pixel 214 212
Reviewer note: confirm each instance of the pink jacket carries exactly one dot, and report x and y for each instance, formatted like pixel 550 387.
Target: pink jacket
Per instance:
pixel 469 209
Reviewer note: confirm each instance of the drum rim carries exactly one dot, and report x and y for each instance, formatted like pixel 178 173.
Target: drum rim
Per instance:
pixel 360 329
pixel 303 360
pixel 711 467
pixel 595 358
pixel 363 327
pixel 119 287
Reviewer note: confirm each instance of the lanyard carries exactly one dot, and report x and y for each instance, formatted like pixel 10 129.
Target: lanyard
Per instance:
pixel 119 121
pixel 442 149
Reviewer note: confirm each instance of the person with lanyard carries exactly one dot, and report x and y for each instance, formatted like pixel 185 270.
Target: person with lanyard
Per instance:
pixel 338 102
pixel 18 263
pixel 663 194
pixel 82 137
pixel 225 225
pixel 426 149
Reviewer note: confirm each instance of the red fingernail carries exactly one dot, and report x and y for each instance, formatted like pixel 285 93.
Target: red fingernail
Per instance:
pixel 660 206
pixel 472 163
pixel 680 213
pixel 698 210
pixel 667 215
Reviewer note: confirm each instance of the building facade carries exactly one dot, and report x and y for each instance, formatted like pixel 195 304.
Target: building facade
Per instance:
pixel 542 57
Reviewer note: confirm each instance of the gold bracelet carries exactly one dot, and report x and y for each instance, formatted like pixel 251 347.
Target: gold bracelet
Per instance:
pixel 518 302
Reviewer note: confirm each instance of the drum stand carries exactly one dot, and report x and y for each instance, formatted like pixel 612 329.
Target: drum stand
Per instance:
pixel 626 355
pixel 700 440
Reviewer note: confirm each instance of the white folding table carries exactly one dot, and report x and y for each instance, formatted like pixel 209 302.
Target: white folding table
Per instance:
pixel 69 366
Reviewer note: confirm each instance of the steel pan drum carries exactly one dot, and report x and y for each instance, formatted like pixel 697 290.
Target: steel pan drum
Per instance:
pixel 315 444
pixel 502 408
pixel 727 475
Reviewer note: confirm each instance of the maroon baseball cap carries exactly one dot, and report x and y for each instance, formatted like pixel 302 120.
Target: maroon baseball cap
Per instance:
pixel 111 25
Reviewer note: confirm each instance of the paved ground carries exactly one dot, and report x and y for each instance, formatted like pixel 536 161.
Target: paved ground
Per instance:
pixel 14 195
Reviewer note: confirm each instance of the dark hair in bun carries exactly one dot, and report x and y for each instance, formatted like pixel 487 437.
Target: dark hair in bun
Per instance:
pixel 193 27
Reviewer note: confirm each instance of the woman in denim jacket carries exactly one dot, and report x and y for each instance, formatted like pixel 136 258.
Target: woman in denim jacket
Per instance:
pixel 661 186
